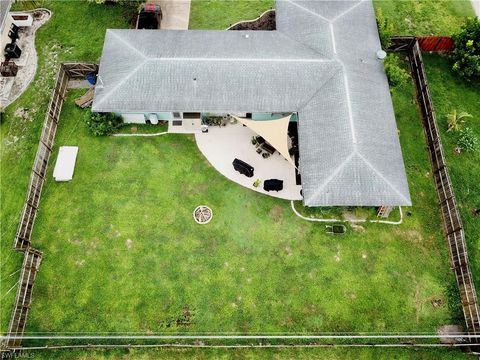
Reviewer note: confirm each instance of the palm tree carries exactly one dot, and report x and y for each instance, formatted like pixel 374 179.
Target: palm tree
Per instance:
pixel 456 121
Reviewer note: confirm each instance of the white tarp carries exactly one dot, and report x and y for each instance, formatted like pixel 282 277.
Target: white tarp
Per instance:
pixel 65 165
pixel 275 132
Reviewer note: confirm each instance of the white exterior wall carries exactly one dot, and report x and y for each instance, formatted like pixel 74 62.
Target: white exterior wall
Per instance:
pixel 133 118
pixel 189 126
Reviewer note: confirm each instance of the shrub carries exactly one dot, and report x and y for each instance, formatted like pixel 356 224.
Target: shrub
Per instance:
pixel 395 73
pixel 466 53
pixel 101 124
pixel 457 120
pixel 385 29
pixel 467 140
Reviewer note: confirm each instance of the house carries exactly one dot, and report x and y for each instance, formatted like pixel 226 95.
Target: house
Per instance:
pixel 320 64
pixel 6 21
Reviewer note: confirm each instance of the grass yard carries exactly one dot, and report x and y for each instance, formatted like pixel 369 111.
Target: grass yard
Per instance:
pixel 122 253
pixel 121 235
pixel 275 354
pixel 449 93
pixel 75 32
pixel 220 14
pixel 425 17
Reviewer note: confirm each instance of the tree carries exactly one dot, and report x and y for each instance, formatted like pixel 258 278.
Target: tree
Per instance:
pixel 466 53
pixel 457 120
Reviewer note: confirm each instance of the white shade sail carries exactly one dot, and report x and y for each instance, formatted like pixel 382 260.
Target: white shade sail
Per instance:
pixel 275 132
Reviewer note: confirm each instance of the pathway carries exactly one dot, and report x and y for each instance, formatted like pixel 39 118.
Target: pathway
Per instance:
pixel 476 6
pixel 176 14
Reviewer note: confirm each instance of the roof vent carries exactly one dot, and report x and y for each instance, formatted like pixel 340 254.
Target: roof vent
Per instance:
pixel 381 54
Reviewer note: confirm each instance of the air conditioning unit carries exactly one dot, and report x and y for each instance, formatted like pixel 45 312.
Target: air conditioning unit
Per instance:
pixel 152 119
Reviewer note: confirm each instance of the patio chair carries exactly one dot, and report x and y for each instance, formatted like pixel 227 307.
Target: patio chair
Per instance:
pixel 336 229
pixel 260 140
pixel 268 148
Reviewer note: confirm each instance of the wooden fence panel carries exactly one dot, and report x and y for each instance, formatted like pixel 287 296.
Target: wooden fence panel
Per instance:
pixel 79 70
pixel 40 164
pixel 31 264
pixel 435 43
pixel 448 205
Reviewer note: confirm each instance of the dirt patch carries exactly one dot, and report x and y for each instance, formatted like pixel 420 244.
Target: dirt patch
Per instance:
pixel 349 216
pixel 436 303
pixel 288 251
pixel 129 244
pixel 450 330
pixel 276 212
pixel 337 255
pixel 358 228
pixel 266 21
pixel 410 234
pixel 80 262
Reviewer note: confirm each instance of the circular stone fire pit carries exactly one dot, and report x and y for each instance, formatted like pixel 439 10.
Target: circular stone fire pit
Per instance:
pixel 202 214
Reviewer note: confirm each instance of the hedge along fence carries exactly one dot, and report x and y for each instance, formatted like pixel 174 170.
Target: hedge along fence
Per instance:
pixel 32 257
pixel 448 204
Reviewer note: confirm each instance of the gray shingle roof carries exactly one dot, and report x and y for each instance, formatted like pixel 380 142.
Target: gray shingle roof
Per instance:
pixel 321 62
pixel 4 9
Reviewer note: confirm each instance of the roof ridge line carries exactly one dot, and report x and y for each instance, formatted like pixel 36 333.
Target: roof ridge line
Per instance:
pixel 111 31
pixel 334 174
pixel 382 177
pixel 322 60
pixel 121 82
pixel 321 87
pixel 347 11
pixel 280 32
pixel 307 10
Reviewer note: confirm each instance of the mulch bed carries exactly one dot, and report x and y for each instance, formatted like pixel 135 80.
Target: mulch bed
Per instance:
pixel 264 22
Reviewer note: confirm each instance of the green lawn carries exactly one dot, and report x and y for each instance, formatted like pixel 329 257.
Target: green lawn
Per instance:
pixel 220 14
pixel 132 259
pixel 122 252
pixel 425 17
pixel 449 93
pixel 409 17
pixel 275 354
pixel 75 32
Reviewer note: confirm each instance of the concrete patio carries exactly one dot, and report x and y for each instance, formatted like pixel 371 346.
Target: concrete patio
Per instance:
pixel 221 145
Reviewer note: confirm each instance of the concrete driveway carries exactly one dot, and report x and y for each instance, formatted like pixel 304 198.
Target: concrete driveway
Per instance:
pixel 476 6
pixel 176 14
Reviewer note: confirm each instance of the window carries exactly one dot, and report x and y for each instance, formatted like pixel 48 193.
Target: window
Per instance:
pixel 177 115
pixel 191 115
pixel 177 122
